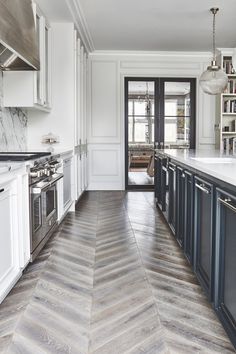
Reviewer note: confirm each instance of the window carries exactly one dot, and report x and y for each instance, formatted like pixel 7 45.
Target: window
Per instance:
pixel 141 120
pixel 177 113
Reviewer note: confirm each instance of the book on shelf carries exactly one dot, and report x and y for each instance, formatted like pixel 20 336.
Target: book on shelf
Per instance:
pixel 228 66
pixel 231 86
pixel 229 144
pixel 229 106
pixel 233 125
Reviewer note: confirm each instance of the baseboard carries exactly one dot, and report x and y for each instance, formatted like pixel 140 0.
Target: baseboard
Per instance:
pixel 105 186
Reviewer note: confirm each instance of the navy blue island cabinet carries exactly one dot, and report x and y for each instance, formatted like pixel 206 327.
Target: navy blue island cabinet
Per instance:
pixel 225 289
pixel 201 213
pixel 204 235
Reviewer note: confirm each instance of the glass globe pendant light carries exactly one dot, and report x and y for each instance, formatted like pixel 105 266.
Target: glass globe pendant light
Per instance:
pixel 214 80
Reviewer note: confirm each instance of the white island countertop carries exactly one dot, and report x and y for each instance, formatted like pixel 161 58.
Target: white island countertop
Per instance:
pixel 6 167
pixel 211 162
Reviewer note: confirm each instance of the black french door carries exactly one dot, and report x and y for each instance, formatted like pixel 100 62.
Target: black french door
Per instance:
pixel 159 113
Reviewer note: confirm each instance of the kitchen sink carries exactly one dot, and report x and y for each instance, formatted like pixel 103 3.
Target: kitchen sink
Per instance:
pixel 214 159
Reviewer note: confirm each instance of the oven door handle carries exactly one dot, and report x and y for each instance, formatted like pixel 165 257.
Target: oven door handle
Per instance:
pixel 55 179
pixel 39 190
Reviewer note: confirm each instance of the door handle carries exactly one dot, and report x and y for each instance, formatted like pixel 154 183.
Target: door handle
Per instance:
pixel 226 202
pixel 203 188
pixel 172 169
pixel 86 146
pixel 164 168
pixel 80 148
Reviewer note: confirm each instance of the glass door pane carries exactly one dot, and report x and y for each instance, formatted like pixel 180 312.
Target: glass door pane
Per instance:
pixel 177 114
pixel 50 201
pixel 37 212
pixel 140 130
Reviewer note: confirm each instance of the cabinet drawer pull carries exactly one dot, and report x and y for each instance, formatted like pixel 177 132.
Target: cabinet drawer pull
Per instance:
pixel 2 190
pixel 226 202
pixel 164 168
pixel 172 169
pixel 202 188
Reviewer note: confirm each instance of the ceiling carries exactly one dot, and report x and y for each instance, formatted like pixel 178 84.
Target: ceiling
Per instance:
pixel 157 25
pixel 55 10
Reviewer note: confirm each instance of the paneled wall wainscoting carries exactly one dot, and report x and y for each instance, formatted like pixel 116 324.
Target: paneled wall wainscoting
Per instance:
pixel 106 109
pixel 112 280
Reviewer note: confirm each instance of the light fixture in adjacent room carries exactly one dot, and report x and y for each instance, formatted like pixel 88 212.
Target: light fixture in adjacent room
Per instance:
pixel 214 80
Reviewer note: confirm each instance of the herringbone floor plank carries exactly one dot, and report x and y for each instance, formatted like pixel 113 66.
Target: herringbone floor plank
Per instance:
pixel 112 280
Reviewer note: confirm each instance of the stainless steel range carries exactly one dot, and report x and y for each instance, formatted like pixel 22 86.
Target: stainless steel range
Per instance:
pixel 43 201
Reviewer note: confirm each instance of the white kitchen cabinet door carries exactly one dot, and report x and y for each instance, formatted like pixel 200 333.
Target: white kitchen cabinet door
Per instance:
pixel 32 89
pixel 67 182
pixel 78 176
pixel 84 171
pixel 23 218
pixel 9 243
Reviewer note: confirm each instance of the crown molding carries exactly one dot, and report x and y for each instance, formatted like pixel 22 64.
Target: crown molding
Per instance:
pixel 81 24
pixel 180 54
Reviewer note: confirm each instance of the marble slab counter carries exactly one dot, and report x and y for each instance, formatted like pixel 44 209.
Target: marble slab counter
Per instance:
pixel 211 162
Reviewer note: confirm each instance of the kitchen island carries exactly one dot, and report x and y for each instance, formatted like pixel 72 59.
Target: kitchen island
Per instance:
pixel 196 192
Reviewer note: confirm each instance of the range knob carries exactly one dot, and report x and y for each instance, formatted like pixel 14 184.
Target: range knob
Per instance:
pixel 47 172
pixel 33 174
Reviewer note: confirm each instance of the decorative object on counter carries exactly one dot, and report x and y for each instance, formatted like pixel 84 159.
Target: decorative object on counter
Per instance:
pixel 214 80
pixel 50 139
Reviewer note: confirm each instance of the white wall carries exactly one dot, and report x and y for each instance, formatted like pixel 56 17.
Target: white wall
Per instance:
pixel 106 106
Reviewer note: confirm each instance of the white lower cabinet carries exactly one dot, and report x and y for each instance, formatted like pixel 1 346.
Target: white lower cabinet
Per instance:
pixel 67 183
pixel 80 170
pixel 10 269
pixel 78 176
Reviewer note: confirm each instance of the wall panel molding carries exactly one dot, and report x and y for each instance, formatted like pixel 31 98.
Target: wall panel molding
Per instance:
pixel 104 105
pixel 105 170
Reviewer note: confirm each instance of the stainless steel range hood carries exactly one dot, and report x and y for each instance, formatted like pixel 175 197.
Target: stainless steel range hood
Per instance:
pixel 18 41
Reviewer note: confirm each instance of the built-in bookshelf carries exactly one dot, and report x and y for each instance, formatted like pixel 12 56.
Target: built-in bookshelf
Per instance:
pixel 226 104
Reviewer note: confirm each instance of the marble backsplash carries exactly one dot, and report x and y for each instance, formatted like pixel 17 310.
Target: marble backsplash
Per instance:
pixel 13 127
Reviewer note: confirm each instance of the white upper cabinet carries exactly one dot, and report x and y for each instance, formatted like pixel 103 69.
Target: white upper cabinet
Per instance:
pixel 32 89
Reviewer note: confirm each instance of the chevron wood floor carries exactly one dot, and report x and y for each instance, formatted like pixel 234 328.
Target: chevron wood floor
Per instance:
pixel 112 280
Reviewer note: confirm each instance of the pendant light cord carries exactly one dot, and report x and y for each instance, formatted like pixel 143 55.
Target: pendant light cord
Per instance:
pixel 214 11
pixel 214 36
